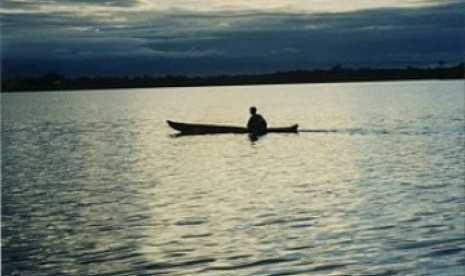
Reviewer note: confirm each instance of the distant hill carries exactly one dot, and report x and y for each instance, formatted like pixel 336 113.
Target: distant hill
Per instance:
pixel 55 81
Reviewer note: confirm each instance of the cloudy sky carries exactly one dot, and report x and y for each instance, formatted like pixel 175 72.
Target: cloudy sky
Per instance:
pixel 197 37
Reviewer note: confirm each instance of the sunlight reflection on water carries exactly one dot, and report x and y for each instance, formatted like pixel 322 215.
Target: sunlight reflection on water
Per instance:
pixel 92 183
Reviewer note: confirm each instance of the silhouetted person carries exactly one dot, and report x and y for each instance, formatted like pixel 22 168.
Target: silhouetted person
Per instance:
pixel 256 124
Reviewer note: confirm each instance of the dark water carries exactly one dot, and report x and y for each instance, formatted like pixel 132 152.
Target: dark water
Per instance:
pixel 93 183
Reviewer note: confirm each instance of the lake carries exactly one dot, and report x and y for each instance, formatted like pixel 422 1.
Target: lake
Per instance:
pixel 94 182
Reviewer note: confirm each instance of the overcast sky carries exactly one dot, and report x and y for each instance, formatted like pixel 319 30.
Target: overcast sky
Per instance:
pixel 135 37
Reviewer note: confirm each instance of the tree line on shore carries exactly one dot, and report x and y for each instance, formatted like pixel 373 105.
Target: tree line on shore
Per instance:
pixel 55 81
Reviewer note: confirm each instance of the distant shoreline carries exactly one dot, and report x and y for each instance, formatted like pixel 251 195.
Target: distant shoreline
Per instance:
pixel 55 82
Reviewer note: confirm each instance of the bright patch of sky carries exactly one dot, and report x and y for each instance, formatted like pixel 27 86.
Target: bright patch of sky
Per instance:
pixel 106 8
pixel 279 5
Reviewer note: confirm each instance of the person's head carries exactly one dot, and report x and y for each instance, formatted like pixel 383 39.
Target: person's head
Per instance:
pixel 253 110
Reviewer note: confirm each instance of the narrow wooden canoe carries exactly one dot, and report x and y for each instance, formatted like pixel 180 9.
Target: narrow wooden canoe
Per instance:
pixel 186 128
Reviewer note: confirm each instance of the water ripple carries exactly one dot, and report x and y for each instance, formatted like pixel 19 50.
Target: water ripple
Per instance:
pixel 160 266
pixel 263 262
pixel 106 191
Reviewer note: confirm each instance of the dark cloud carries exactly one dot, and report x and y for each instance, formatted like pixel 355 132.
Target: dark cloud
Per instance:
pixel 115 3
pixel 33 4
pixel 368 37
pixel 179 42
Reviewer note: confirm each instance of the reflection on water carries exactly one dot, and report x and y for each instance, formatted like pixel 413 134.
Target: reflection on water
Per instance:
pixel 93 184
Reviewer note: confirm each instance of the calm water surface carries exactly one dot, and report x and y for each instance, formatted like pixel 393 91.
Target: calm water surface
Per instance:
pixel 93 183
